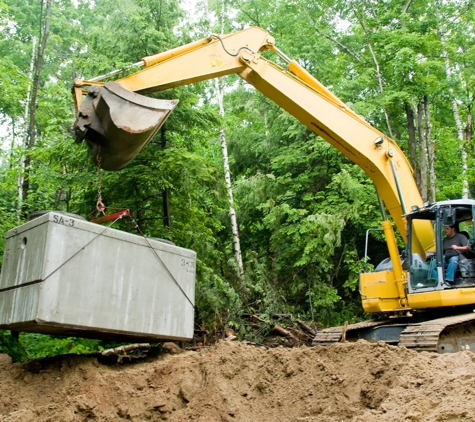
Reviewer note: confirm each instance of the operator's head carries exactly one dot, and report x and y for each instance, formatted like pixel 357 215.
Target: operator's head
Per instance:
pixel 449 231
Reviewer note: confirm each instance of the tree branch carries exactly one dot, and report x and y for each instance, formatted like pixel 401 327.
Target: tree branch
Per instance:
pixel 378 71
pixel 406 7
pixel 343 47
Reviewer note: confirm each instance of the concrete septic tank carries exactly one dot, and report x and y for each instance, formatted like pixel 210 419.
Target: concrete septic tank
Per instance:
pixel 64 275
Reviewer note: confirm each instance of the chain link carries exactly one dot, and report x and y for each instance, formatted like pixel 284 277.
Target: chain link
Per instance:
pixel 99 179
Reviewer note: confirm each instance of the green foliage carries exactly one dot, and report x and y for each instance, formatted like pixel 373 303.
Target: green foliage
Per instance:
pixel 216 299
pixel 303 209
pixel 42 345
pixel 33 346
pixel 11 345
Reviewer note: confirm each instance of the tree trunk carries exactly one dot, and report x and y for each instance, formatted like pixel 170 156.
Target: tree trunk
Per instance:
pixel 411 130
pixel 378 72
pixel 167 218
pixel 31 136
pixel 422 151
pixel 468 128
pixel 227 173
pixel 455 111
pixel 229 188
pixel 430 152
pixel 21 171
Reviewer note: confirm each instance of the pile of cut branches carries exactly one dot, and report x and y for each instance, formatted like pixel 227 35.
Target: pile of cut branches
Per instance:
pixel 260 330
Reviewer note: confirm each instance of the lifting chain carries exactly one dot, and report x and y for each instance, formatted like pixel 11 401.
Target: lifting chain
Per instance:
pixel 99 205
pixel 101 208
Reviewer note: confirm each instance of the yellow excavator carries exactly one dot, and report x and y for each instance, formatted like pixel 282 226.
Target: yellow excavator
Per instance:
pixel 411 303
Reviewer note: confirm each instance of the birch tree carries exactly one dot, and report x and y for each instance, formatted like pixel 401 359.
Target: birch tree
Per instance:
pixel 44 24
pixel 443 32
pixel 218 85
pixel 21 170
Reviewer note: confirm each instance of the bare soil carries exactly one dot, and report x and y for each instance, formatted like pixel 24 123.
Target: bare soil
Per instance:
pixel 234 381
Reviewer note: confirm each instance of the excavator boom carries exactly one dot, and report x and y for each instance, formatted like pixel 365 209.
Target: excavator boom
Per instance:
pixel 296 91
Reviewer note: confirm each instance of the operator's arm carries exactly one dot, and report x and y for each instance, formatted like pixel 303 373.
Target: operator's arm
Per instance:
pixel 461 248
pixel 461 244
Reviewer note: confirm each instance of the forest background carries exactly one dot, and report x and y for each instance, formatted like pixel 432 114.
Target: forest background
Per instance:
pixel 302 209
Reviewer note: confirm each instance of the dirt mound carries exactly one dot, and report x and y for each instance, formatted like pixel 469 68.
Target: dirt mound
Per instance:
pixel 238 382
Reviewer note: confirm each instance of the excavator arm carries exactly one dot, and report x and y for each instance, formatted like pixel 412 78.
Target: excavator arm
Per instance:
pixel 294 89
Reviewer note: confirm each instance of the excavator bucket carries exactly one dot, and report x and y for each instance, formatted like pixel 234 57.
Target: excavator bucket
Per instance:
pixel 120 122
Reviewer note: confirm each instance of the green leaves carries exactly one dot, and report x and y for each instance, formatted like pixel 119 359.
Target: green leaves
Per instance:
pixel 302 207
pixel 10 345
pixel 41 345
pixel 34 346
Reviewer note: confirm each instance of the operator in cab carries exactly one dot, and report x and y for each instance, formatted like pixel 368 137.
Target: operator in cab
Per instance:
pixel 454 244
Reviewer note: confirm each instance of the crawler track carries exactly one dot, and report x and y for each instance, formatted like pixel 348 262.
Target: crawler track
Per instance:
pixel 332 335
pixel 441 335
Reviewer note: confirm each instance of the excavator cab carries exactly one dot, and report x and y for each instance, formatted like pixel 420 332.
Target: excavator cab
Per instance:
pixel 427 273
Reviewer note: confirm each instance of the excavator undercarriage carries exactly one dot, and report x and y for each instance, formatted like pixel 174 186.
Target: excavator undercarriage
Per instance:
pixel 426 332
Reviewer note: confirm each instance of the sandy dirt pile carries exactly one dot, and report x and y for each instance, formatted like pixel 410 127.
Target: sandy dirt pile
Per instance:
pixel 238 382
